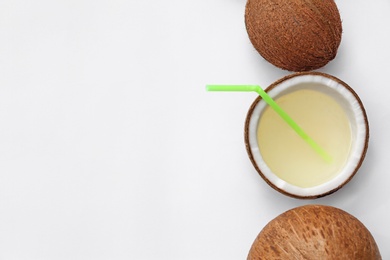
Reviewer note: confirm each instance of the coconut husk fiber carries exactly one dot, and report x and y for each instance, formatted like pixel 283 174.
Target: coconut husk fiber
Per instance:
pixel 315 232
pixel 295 35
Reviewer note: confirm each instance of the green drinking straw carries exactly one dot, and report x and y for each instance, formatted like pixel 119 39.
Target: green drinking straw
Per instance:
pixel 278 110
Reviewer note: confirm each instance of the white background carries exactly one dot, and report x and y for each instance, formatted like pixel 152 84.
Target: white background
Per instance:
pixel 110 147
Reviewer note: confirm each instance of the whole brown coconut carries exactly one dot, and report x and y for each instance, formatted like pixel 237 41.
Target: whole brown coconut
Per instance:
pixel 314 232
pixel 295 35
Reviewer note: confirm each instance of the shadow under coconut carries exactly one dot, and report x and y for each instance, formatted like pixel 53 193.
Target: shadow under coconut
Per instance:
pixel 338 65
pixel 265 71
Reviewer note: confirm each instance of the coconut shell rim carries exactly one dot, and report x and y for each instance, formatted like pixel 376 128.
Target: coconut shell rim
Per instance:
pixel 273 85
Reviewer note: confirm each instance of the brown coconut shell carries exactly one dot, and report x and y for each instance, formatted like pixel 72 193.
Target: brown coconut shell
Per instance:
pixel 295 35
pixel 315 232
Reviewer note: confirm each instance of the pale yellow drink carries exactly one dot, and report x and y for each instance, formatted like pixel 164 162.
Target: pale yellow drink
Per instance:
pixel 288 155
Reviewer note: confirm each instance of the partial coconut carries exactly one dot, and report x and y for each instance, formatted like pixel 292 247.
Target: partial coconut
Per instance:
pixel 295 35
pixel 315 232
pixel 285 171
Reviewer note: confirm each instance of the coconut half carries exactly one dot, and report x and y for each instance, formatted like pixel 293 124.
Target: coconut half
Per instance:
pixel 353 108
pixel 315 232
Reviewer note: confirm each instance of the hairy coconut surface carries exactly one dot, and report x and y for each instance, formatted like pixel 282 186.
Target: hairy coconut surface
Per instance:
pixel 295 35
pixel 314 232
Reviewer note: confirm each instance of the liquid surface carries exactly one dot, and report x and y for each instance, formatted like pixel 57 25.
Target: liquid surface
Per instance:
pixel 288 155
